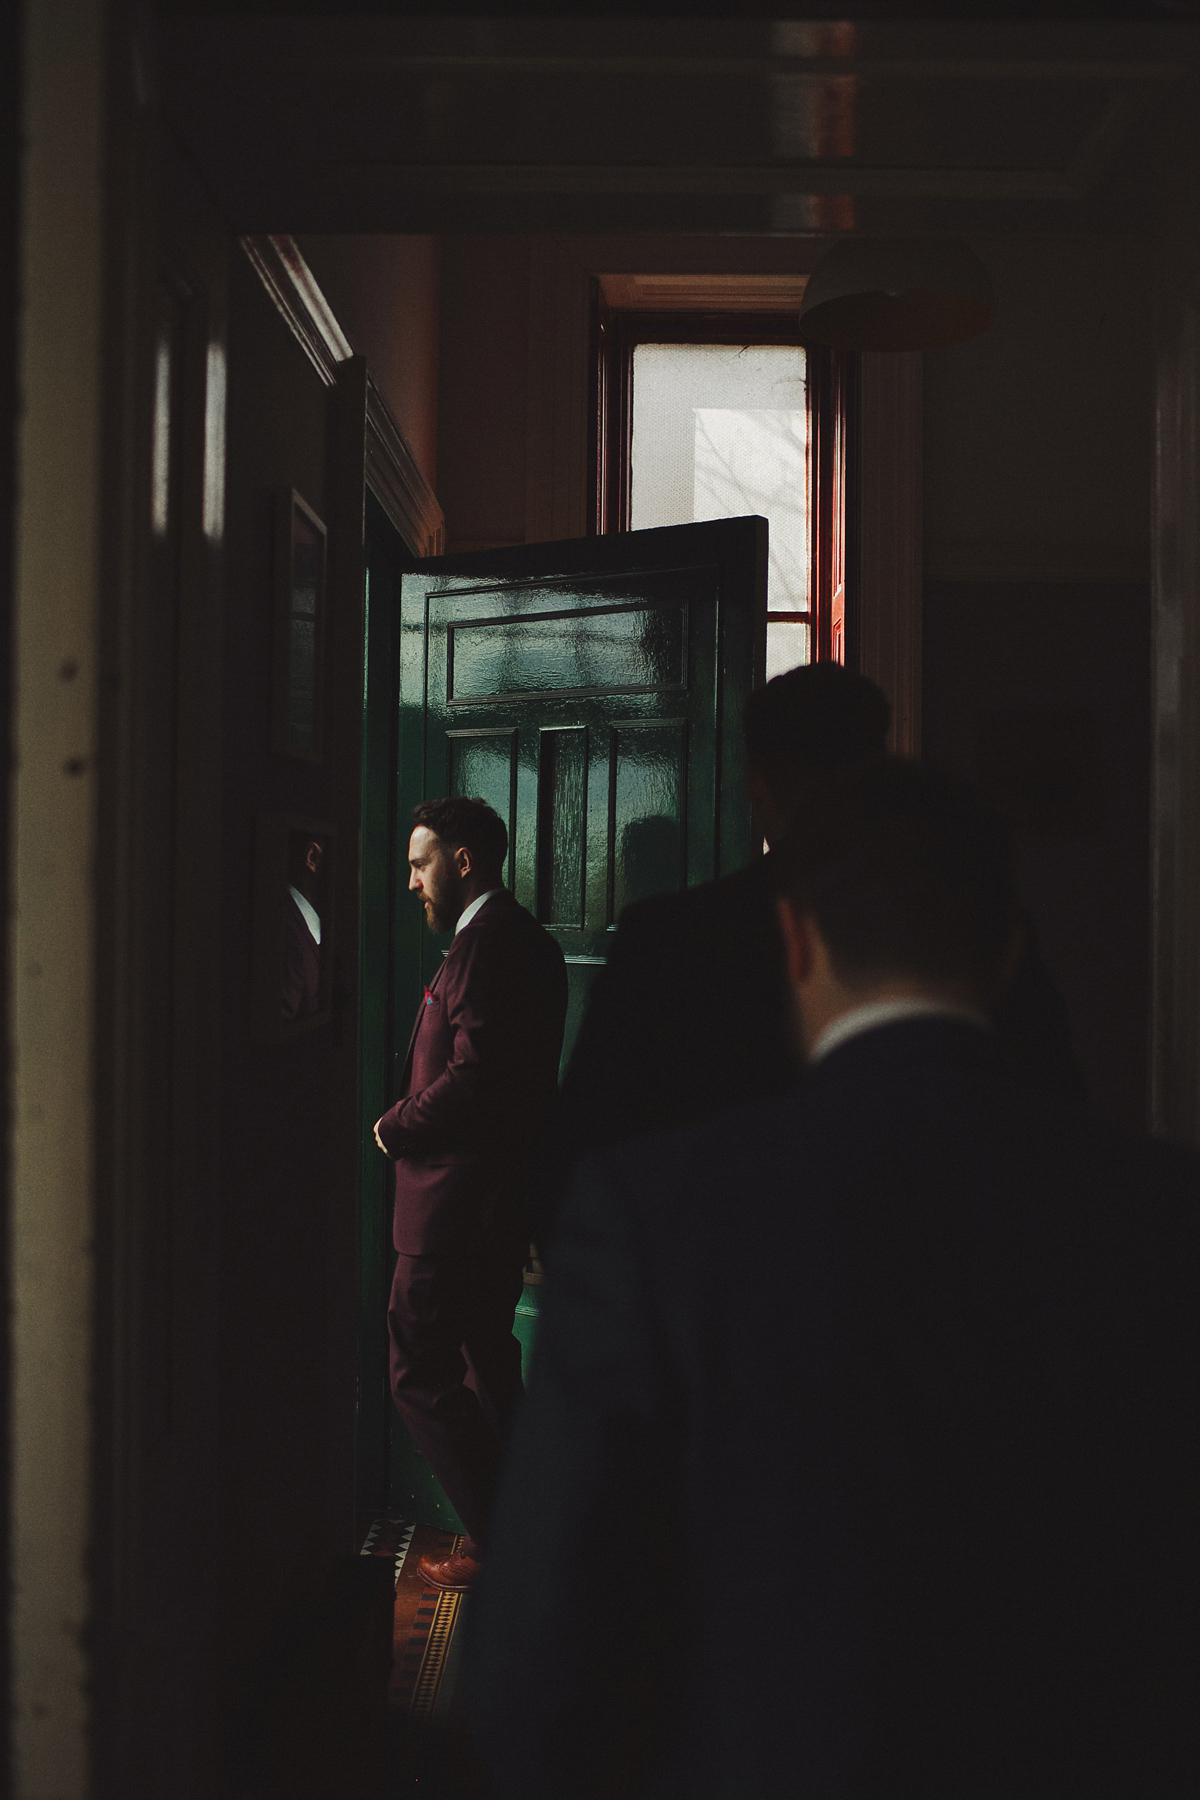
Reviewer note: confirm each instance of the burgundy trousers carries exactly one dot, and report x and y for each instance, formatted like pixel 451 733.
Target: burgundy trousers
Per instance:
pixel 456 1369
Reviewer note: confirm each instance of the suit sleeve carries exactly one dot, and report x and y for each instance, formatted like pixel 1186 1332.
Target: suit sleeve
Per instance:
pixel 566 1672
pixel 458 1105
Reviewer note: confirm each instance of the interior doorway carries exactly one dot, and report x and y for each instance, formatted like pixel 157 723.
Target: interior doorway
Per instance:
pixel 591 692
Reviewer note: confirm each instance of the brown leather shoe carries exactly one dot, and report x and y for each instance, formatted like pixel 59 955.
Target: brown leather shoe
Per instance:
pixel 454 1573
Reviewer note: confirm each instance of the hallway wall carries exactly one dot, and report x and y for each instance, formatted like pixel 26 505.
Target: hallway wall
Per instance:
pixel 482 390
pixel 385 292
pixel 10 262
pixel 1037 471
pixel 60 370
pixel 1039 434
pixel 288 1216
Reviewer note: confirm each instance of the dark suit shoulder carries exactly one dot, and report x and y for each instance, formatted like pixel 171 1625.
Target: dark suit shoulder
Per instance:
pixel 924 1092
pixel 693 1167
pixel 713 905
pixel 689 1017
pixel 843 1111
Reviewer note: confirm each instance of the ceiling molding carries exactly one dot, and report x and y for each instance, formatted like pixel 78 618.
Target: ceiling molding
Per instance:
pixel 298 299
pixel 704 293
pixel 819 69
pixel 706 179
pixel 392 471
pixel 396 481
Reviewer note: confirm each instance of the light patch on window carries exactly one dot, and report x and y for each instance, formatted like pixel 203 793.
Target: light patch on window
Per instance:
pixel 720 431
pixel 756 462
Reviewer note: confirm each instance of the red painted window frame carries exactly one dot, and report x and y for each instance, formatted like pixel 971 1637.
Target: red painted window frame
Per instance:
pixel 832 405
pixel 832 391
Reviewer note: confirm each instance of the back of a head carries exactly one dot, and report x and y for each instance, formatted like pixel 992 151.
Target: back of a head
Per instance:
pixel 812 720
pixel 470 823
pixel 907 872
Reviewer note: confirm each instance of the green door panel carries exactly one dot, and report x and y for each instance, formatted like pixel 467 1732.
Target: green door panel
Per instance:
pixel 590 691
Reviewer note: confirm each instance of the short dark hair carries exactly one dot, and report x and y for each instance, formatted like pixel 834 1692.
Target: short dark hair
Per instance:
pixel 811 720
pixel 466 825
pixel 907 872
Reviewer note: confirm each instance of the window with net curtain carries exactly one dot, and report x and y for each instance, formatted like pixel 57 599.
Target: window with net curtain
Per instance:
pixel 721 430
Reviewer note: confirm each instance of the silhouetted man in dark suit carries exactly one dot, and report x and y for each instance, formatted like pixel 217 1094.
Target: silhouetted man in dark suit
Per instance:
pixel 858 1456
pixel 480 1076
pixel 690 1015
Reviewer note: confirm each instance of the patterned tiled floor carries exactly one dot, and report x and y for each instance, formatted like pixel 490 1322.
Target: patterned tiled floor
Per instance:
pixel 428 1749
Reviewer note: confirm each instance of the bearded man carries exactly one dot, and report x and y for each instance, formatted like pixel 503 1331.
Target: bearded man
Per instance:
pixel 478 1082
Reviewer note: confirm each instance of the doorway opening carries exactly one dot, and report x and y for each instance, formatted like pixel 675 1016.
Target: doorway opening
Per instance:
pixel 590 690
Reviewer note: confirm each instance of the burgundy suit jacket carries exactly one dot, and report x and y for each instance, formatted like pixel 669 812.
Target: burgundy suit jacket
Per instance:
pixel 480 1078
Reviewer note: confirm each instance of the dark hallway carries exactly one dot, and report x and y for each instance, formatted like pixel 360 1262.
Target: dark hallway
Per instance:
pixel 305 299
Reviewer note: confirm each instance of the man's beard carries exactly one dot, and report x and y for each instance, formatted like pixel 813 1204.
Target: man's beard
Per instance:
pixel 442 915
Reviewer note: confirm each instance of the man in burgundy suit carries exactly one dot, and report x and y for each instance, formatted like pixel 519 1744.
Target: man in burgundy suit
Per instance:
pixel 478 1083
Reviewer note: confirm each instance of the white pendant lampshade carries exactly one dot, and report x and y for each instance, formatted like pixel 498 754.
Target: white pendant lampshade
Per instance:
pixel 896 294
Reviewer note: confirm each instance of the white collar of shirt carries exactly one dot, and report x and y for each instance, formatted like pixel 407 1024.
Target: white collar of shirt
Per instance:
pixel 888 1012
pixel 468 912
pixel 309 913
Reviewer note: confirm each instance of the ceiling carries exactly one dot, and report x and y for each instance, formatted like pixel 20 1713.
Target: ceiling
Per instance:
pixel 623 125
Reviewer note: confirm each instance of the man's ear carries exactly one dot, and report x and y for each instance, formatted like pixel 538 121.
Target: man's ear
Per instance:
pixel 462 861
pixel 799 939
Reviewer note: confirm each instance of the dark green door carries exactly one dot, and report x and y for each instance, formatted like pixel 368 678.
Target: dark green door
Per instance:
pixel 591 692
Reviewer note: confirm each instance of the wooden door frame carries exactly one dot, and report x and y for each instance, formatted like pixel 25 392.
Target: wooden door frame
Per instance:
pixel 1175 707
pixel 885 549
pixel 866 496
pixel 615 336
pixel 832 419
pixel 369 455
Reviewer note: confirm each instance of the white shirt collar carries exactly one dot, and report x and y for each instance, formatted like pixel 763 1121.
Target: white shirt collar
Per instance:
pixel 468 912
pixel 887 1012
pixel 308 911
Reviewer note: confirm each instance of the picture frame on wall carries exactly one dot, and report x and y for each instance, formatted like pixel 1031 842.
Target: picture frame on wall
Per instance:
pixel 297 709
pixel 292 975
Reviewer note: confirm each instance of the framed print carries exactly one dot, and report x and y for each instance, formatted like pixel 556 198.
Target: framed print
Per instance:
pixel 292 961
pixel 297 702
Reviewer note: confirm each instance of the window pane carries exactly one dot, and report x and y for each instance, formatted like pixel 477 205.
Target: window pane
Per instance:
pixel 720 431
pixel 787 646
